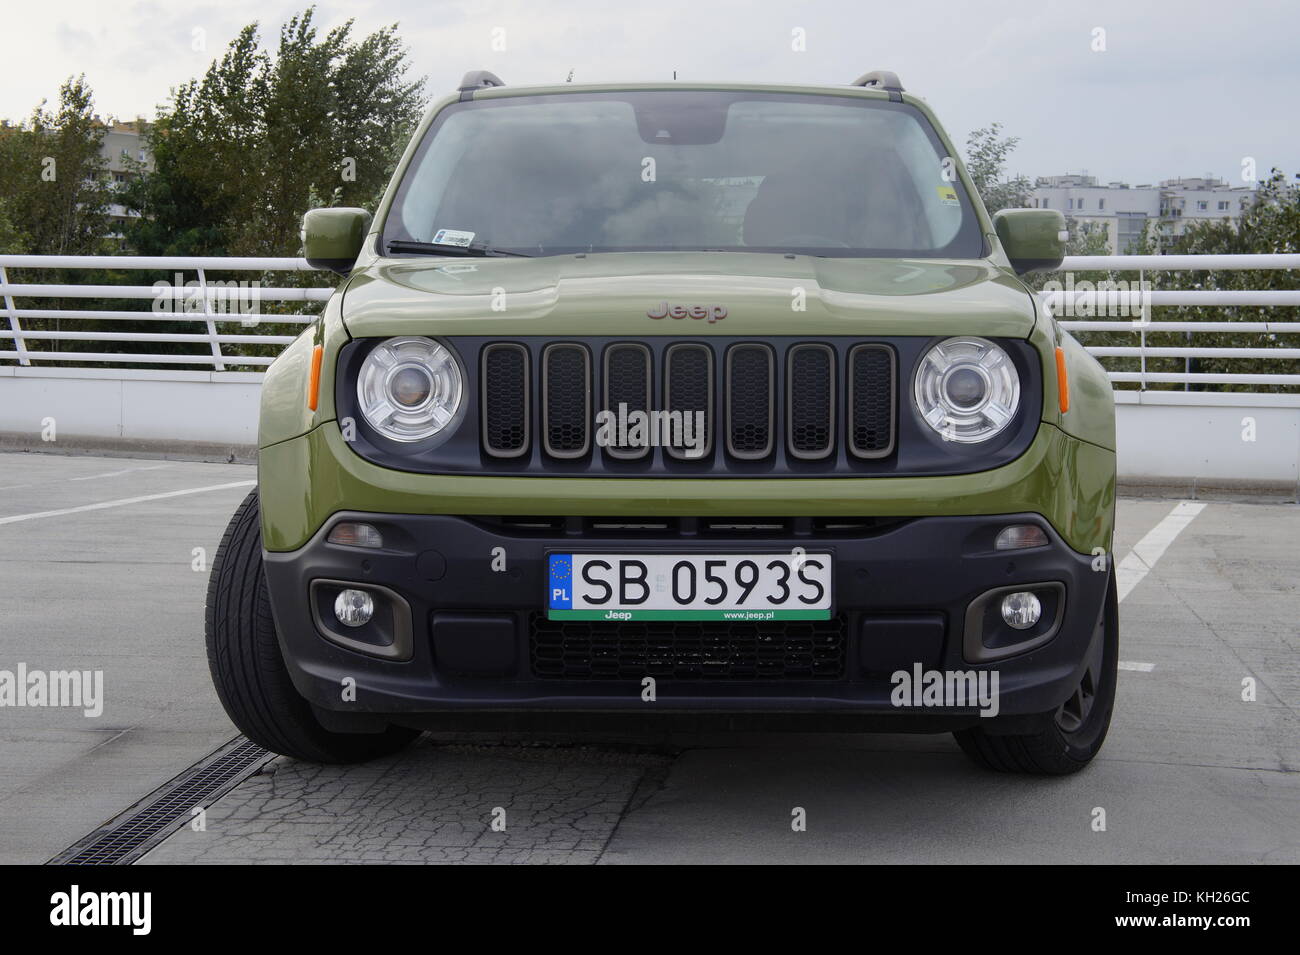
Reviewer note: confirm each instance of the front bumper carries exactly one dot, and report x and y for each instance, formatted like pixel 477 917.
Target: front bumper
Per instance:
pixel 304 481
pixel 903 591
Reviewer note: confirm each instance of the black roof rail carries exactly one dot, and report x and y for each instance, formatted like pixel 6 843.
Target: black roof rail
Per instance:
pixel 478 80
pixel 881 80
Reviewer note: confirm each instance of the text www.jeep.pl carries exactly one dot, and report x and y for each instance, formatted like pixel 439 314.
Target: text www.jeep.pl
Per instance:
pixel 1203 922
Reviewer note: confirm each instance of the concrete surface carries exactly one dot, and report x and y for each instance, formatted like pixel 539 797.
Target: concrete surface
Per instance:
pixel 132 404
pixel 1243 440
pixel 109 589
pixel 1190 773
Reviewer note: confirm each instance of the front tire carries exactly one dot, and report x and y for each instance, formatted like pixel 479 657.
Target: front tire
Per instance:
pixel 248 670
pixel 1076 731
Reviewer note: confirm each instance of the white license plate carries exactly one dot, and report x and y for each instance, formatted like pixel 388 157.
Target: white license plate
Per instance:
pixel 739 587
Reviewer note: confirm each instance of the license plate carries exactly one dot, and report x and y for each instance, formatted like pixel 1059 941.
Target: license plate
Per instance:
pixel 738 587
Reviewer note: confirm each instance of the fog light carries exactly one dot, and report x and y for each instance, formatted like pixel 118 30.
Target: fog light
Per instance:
pixel 1020 610
pixel 355 608
pixel 354 534
pixel 1016 536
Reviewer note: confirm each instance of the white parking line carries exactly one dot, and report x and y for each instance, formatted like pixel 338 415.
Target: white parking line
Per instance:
pixel 1150 548
pixel 1144 555
pixel 123 502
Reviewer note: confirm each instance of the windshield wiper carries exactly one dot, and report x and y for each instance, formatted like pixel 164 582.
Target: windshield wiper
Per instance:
pixel 438 248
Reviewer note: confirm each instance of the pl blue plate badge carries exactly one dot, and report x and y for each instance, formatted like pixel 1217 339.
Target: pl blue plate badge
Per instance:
pixel 561 581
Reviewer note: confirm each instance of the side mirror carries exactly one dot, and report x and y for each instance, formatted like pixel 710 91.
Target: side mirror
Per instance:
pixel 1033 239
pixel 332 238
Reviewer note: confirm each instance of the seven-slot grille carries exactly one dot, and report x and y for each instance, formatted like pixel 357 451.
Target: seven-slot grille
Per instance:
pixel 806 397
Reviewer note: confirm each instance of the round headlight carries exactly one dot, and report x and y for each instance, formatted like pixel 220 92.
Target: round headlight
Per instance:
pixel 409 388
pixel 967 389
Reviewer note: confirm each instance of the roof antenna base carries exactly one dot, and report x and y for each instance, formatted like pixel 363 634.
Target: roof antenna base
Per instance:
pixel 881 80
pixel 477 80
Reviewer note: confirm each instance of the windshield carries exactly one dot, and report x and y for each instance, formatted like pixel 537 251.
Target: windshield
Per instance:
pixel 681 171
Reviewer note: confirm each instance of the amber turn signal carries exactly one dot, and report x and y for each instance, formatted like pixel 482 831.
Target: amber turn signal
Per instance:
pixel 1062 380
pixel 313 384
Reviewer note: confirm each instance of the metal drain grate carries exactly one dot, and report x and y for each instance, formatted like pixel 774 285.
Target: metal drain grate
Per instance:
pixel 126 838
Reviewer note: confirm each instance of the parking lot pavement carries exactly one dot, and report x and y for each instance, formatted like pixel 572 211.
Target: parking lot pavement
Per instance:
pixel 433 803
pixel 1191 771
pixel 109 589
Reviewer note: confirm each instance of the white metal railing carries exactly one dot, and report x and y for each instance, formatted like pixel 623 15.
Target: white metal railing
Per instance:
pixel 206 302
pixel 1135 306
pixel 201 306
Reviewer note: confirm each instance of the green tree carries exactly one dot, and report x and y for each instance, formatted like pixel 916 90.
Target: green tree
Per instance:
pixel 11 240
pixel 1087 238
pixel 986 160
pixel 241 153
pixel 53 179
pixel 54 197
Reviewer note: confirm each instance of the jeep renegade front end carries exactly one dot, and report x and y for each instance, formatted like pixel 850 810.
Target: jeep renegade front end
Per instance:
pixel 670 402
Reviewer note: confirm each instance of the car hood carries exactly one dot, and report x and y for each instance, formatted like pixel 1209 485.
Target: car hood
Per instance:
pixel 612 294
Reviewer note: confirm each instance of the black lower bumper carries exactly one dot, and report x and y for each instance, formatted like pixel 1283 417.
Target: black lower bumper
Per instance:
pixel 459 625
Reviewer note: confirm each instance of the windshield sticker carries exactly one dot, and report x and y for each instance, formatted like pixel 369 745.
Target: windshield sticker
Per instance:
pixel 947 195
pixel 453 237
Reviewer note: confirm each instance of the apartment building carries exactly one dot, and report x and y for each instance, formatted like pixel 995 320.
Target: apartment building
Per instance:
pixel 1124 210
pixel 125 149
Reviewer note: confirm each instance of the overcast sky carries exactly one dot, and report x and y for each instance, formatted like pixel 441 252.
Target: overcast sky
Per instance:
pixel 1181 88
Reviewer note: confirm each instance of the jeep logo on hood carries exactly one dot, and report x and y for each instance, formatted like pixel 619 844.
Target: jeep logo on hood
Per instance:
pixel 711 313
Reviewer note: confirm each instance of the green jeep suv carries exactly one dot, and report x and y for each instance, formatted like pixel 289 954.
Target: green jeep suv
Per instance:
pixel 674 405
